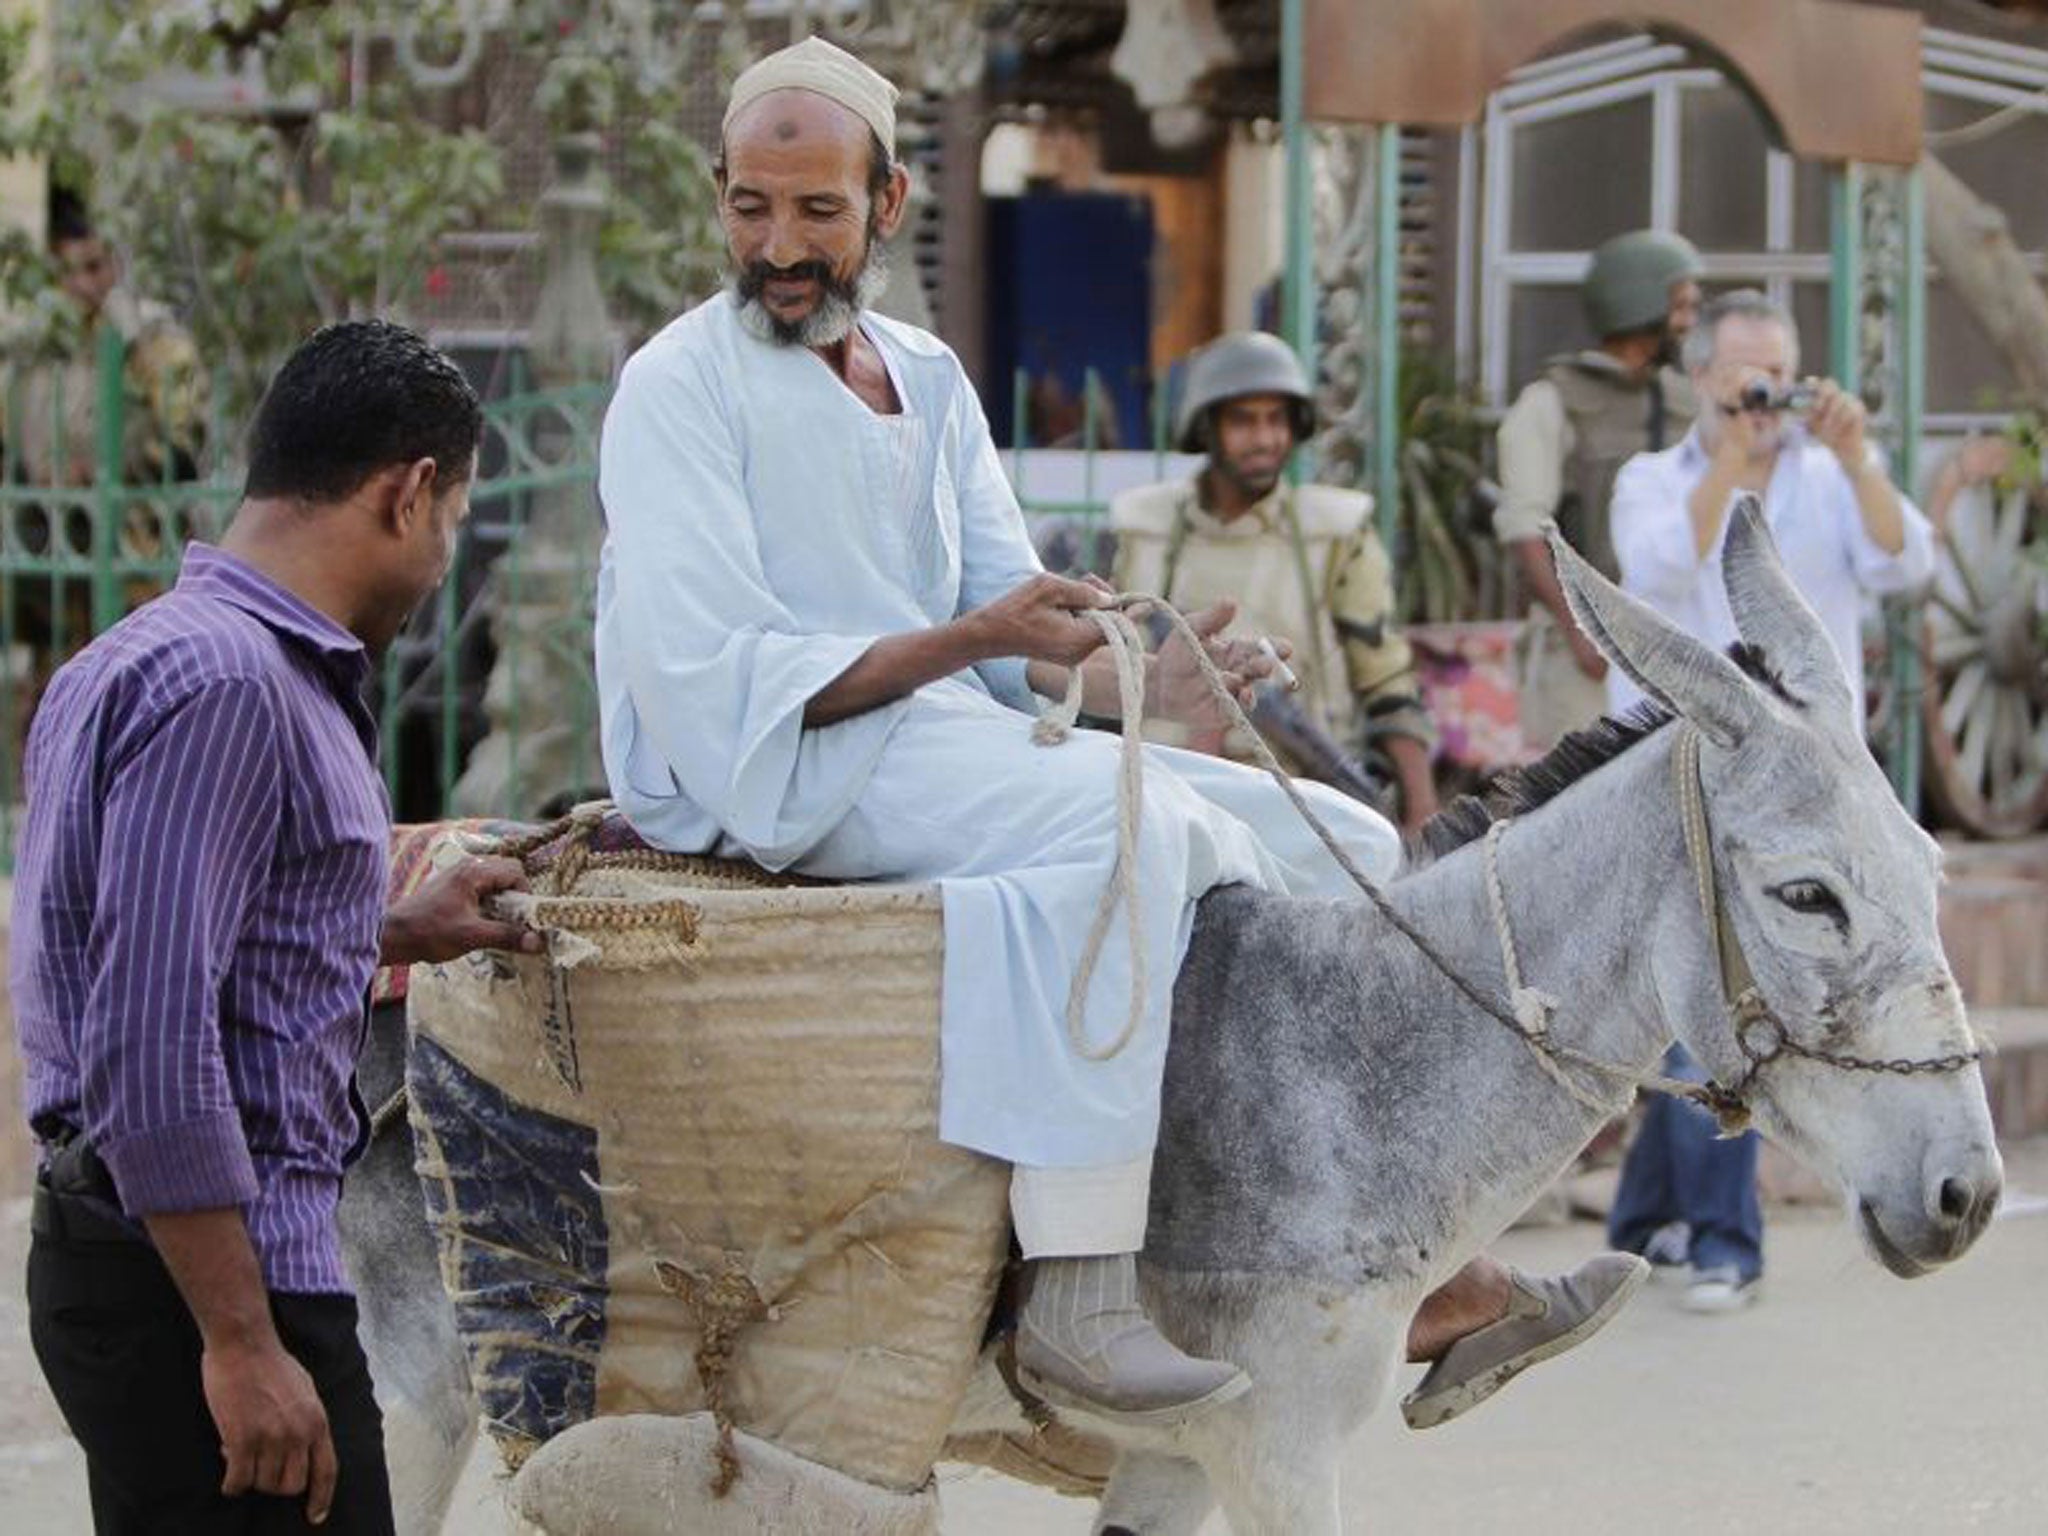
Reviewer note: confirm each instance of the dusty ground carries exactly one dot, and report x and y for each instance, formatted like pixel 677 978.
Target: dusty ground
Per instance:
pixel 1846 1401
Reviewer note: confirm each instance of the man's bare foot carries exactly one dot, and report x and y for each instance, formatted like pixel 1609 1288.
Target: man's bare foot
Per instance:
pixel 1546 1315
pixel 1475 1297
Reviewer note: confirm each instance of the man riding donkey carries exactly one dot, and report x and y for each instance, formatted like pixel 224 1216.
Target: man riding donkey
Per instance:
pixel 821 635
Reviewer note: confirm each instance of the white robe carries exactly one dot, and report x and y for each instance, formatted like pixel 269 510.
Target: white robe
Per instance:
pixel 764 528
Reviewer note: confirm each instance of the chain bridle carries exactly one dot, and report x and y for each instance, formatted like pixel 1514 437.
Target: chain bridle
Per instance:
pixel 1760 1035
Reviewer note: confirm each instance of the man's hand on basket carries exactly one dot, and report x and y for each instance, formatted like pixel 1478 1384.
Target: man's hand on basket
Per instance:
pixel 448 916
pixel 1181 693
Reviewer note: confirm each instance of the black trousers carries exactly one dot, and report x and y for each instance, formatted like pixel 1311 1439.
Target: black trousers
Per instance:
pixel 121 1353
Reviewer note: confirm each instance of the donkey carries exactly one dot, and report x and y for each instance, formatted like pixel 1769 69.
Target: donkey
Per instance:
pixel 1343 1128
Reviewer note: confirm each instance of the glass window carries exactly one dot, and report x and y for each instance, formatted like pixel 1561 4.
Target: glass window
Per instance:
pixel 1581 178
pixel 1544 320
pixel 1721 180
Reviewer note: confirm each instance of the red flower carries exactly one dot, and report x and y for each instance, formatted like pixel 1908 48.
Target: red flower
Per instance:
pixel 437 282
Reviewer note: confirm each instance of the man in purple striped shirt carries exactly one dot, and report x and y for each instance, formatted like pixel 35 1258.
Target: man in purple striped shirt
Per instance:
pixel 199 906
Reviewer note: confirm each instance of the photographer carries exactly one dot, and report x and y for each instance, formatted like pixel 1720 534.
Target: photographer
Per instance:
pixel 1687 1200
pixel 1843 529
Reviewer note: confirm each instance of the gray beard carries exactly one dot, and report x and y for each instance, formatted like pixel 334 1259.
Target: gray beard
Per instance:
pixel 828 324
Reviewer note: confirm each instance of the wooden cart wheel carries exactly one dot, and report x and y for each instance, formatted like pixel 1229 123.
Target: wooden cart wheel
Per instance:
pixel 1986 703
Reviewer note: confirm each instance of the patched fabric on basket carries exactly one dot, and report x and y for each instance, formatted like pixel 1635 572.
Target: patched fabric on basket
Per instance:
pixel 755 1065
pixel 512 1193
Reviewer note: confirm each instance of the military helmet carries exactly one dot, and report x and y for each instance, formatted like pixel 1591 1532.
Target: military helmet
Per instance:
pixel 1241 363
pixel 1628 287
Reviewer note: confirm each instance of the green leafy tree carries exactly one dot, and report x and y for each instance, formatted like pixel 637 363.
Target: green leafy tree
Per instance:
pixel 328 195
pixel 660 245
pixel 1448 562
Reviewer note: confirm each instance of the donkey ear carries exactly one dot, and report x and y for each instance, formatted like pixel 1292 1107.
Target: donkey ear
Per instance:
pixel 1686 676
pixel 1772 615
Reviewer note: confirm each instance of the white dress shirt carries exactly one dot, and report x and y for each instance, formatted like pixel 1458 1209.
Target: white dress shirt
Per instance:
pixel 1811 507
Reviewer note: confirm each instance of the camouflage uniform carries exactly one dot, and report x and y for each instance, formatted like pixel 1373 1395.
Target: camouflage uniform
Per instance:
pixel 1305 564
pixel 53 398
pixel 1561 445
pixel 1566 438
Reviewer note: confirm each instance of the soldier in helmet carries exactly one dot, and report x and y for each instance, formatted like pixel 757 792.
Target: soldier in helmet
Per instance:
pixel 57 404
pixel 50 405
pixel 1565 439
pixel 1300 561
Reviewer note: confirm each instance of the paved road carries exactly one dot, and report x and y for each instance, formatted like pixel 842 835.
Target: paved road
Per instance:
pixel 1845 1402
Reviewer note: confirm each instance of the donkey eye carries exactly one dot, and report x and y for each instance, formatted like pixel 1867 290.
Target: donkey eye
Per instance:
pixel 1810 897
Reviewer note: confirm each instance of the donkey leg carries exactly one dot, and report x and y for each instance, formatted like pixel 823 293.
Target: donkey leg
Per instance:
pixel 1150 1494
pixel 1278 1485
pixel 425 1465
pixel 408 1332
pixel 1319 1360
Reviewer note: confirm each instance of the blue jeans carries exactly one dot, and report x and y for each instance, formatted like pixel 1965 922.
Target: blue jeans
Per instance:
pixel 1680 1170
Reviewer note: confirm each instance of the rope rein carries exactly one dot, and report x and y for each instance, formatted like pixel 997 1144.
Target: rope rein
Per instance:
pixel 1759 1034
pixel 1127 648
pixel 1121 888
pixel 1532 1008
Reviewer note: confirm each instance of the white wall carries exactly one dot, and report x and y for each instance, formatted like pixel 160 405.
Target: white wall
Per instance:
pixel 1254 223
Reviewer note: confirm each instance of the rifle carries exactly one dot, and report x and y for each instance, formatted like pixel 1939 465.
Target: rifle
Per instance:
pixel 1298 737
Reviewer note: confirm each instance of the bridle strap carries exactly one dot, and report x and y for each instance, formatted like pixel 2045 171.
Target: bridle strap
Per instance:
pixel 1741 998
pixel 1738 981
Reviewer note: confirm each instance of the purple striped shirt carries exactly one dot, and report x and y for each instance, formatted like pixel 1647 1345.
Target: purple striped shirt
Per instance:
pixel 198 897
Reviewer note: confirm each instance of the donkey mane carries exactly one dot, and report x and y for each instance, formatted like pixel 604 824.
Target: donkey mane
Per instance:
pixel 1517 791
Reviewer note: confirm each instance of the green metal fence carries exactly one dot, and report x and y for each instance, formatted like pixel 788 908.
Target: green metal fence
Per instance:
pixel 504 648
pixel 75 557
pixel 80 543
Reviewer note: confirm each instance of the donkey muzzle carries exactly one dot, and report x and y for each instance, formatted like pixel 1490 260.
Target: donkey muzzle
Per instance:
pixel 1958 1195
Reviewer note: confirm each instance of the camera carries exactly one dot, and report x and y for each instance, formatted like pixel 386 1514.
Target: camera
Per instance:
pixel 1759 396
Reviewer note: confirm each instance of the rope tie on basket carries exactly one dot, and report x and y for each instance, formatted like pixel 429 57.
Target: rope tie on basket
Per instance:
pixel 584 819
pixel 722 1307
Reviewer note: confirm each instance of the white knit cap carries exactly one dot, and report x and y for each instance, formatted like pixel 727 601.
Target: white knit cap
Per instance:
pixel 826 70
